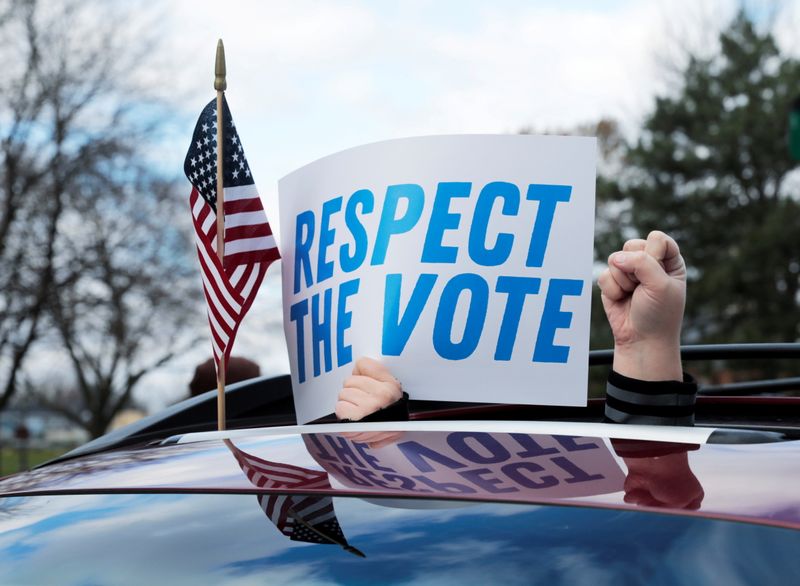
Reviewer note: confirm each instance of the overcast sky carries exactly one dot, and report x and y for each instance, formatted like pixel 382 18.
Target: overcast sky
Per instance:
pixel 309 78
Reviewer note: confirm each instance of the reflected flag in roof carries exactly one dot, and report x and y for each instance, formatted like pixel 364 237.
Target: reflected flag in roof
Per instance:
pixel 265 474
pixel 299 517
pixel 306 518
pixel 230 286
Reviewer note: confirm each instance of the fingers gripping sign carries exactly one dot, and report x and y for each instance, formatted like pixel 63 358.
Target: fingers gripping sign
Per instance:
pixel 370 388
pixel 644 293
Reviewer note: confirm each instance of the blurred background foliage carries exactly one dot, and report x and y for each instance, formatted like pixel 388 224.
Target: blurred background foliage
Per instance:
pixel 712 167
pixel 96 266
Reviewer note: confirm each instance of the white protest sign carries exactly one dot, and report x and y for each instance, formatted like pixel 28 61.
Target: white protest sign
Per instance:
pixel 462 262
pixel 481 465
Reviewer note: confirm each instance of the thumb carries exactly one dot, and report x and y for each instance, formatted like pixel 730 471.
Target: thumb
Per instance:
pixel 647 270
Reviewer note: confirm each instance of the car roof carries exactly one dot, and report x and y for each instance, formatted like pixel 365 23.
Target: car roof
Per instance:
pixel 214 539
pixel 735 474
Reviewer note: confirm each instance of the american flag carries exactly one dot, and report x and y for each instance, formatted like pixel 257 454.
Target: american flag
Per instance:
pixel 230 286
pixel 299 517
pixel 265 474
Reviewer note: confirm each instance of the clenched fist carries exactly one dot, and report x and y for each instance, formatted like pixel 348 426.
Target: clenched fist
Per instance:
pixel 644 294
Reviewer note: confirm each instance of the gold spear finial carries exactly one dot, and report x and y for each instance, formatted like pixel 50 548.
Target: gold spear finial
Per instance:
pixel 219 69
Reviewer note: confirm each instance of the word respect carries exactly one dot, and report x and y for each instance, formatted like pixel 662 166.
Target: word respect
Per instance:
pixel 468 463
pixel 318 258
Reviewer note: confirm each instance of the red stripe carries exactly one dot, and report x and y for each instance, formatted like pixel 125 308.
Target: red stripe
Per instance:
pixel 287 478
pixel 223 281
pixel 216 333
pixel 212 308
pixel 217 338
pixel 297 475
pixel 271 505
pixel 210 236
pixel 243 205
pixel 255 462
pixel 251 231
pixel 323 512
pixel 287 504
pixel 265 255
pixel 307 502
pixel 205 211
pixel 279 482
pixel 220 344
pixel 216 287
pixel 244 278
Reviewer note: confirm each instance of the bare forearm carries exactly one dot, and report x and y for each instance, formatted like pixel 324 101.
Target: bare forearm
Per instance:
pixel 655 360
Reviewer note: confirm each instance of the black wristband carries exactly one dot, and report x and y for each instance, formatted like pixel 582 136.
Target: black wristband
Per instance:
pixel 630 400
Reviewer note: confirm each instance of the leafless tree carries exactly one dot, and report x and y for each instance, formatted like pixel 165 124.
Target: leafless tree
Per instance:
pixel 88 257
pixel 127 298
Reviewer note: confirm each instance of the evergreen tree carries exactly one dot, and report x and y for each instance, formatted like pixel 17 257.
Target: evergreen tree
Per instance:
pixel 710 167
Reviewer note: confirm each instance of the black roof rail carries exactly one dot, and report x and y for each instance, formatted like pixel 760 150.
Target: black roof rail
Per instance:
pixel 752 387
pixel 770 350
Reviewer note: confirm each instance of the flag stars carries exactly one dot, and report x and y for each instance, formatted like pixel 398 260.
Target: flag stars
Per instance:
pixel 201 163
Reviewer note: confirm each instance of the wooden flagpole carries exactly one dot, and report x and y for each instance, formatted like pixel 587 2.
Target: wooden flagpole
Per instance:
pixel 220 84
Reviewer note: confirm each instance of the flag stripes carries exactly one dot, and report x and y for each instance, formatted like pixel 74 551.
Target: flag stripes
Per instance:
pixel 285 510
pixel 308 518
pixel 265 474
pixel 225 302
pixel 230 285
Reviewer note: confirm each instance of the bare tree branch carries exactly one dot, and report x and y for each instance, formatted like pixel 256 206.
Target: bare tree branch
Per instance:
pixel 83 218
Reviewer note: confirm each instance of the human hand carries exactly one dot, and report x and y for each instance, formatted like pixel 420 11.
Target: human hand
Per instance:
pixel 665 481
pixel 374 439
pixel 644 293
pixel 371 388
